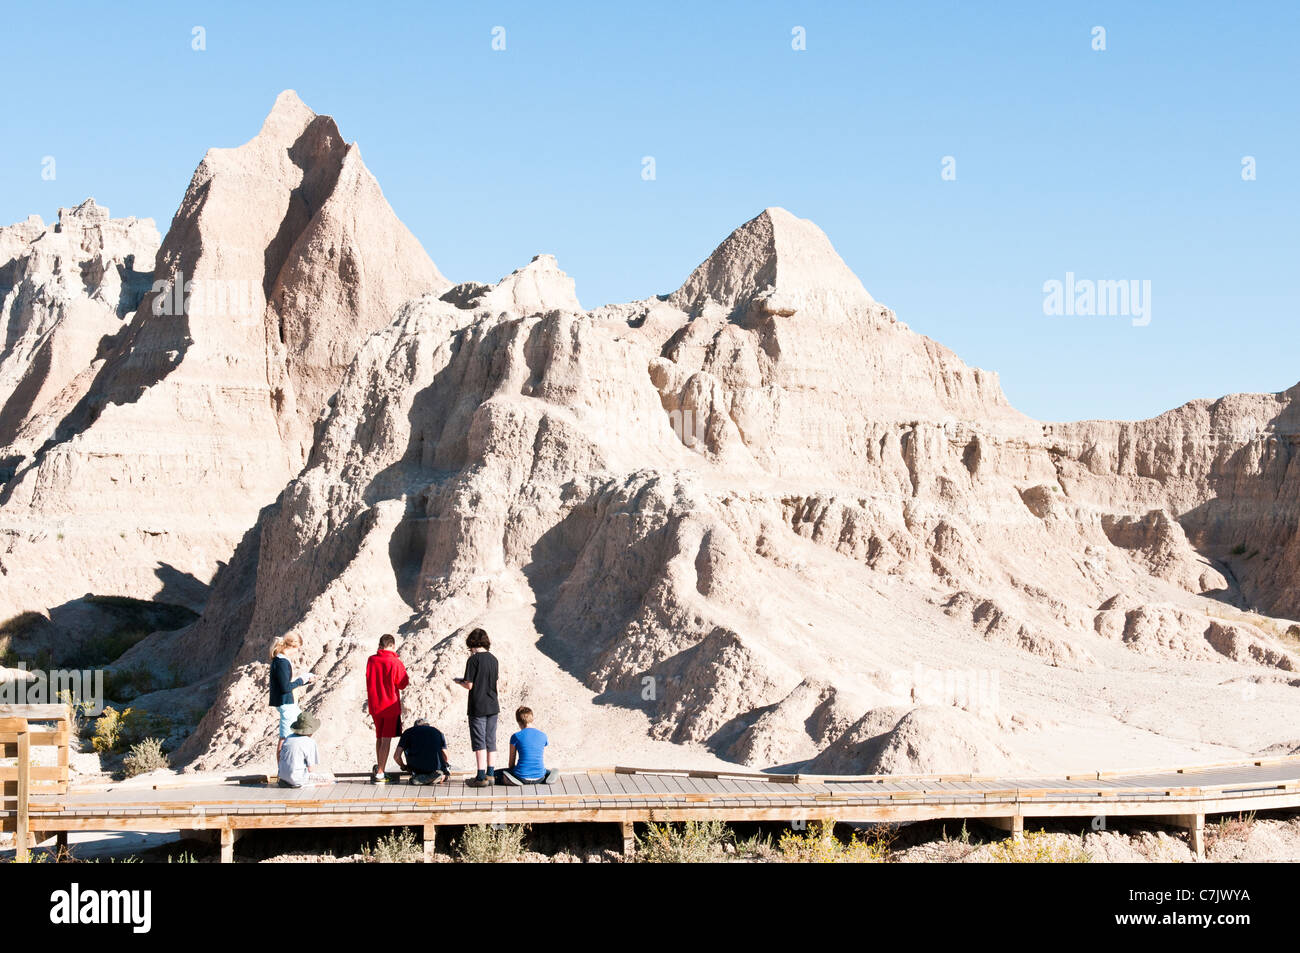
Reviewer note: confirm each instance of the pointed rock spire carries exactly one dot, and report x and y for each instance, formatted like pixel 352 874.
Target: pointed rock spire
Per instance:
pixel 776 256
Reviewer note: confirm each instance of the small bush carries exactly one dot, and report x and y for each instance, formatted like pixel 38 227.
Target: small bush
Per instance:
pixel 482 844
pixel 116 731
pixel 758 847
pixel 399 847
pixel 1229 829
pixel 78 712
pixel 694 842
pixel 1239 549
pixel 1038 847
pixel 819 845
pixel 145 756
pixel 108 731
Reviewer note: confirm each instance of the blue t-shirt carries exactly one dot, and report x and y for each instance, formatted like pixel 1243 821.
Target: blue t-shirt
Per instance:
pixel 529 744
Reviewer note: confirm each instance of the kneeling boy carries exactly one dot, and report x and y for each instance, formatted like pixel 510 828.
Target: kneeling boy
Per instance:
pixel 422 750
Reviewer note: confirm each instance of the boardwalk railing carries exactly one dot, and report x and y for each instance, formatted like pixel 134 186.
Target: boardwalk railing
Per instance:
pixel 23 728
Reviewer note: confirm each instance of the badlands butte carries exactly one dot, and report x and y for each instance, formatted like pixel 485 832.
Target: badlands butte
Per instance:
pixel 754 520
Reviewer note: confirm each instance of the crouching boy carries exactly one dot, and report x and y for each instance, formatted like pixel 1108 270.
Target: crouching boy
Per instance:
pixel 422 750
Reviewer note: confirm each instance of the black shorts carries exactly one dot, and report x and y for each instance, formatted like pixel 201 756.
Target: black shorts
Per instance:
pixel 483 732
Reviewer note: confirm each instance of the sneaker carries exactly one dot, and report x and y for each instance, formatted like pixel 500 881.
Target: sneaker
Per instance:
pixel 479 783
pixel 424 778
pixel 377 776
pixel 510 779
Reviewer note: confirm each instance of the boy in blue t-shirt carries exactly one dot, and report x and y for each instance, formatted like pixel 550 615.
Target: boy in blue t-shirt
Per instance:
pixel 526 749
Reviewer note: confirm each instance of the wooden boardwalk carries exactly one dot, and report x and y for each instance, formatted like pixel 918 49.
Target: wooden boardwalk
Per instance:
pixel 625 796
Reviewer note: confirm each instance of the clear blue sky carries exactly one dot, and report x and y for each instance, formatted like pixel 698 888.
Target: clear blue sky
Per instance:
pixel 1122 164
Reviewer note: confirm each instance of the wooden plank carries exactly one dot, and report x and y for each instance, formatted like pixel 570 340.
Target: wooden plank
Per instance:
pixel 37 772
pixel 23 827
pixel 35 712
pixel 49 739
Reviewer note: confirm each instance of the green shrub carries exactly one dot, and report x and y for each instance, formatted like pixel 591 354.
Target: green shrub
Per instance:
pixel 819 845
pixel 78 712
pixel 145 756
pixel 482 844
pixel 399 847
pixel 694 842
pixel 758 847
pixel 116 731
pixel 1038 847
pixel 108 731
pixel 1229 829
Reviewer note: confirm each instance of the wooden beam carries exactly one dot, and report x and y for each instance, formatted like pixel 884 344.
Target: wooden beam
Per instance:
pixel 430 843
pixel 629 839
pixel 35 712
pixel 1014 825
pixel 1194 824
pixel 23 771
pixel 37 773
pixel 227 835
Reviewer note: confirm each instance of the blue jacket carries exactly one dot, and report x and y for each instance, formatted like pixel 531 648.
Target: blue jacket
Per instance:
pixel 282 682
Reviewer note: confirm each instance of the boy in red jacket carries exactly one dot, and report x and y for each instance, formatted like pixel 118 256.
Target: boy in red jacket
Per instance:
pixel 385 679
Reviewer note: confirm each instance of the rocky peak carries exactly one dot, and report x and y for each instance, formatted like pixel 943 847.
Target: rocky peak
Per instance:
pixel 784 260
pixel 87 213
pixel 536 288
pixel 282 256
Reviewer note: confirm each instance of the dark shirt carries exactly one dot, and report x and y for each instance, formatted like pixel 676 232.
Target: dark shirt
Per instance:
pixel 423 746
pixel 481 670
pixel 282 685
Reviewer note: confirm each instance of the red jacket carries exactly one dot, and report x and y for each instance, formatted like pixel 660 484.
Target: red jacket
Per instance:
pixel 385 677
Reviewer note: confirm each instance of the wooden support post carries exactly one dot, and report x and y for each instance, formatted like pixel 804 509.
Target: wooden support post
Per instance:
pixel 1015 825
pixel 1196 830
pixel 430 843
pixel 61 839
pixel 21 850
pixel 629 839
pixel 228 837
pixel 1194 824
